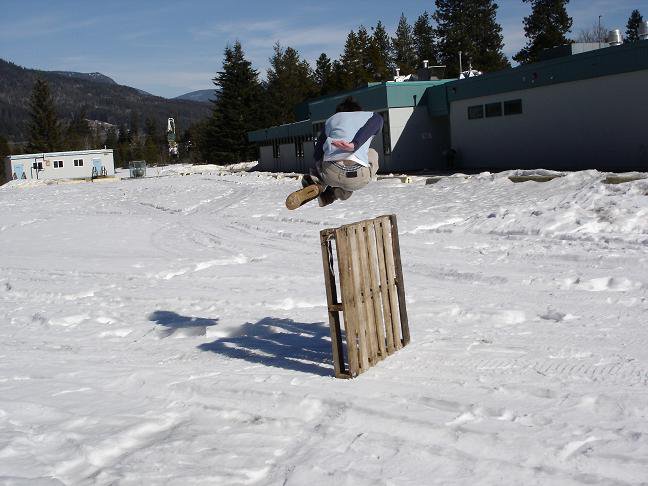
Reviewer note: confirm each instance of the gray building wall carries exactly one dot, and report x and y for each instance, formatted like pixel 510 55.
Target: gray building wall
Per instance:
pixel 67 171
pixel 288 160
pixel 593 123
pixel 266 161
pixel 417 140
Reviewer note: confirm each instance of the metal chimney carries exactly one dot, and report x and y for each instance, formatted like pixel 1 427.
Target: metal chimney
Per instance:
pixel 614 37
pixel 425 63
pixel 397 71
pixel 643 30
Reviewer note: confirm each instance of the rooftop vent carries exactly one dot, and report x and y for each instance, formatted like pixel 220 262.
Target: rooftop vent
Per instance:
pixel 614 37
pixel 643 30
pixel 425 63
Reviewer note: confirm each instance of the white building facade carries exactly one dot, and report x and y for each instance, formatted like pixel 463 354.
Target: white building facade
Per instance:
pixel 81 164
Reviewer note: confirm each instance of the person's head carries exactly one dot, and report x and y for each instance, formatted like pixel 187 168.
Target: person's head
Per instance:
pixel 349 104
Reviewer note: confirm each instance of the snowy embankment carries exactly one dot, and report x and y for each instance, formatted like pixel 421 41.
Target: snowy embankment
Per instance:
pixel 173 331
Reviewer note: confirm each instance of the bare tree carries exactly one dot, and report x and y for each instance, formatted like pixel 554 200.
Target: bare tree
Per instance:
pixel 593 33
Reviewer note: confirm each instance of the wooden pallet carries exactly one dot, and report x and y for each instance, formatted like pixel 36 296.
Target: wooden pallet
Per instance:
pixel 368 290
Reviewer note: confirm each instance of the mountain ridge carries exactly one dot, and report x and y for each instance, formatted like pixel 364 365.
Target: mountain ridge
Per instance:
pixel 201 95
pixel 101 100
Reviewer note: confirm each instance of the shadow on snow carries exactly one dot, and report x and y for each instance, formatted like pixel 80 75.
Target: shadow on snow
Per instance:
pixel 281 343
pixel 175 324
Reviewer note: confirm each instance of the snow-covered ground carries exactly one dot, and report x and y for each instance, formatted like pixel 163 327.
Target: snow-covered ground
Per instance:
pixel 173 330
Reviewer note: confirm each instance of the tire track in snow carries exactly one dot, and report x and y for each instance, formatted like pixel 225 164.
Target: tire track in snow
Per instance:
pixel 626 373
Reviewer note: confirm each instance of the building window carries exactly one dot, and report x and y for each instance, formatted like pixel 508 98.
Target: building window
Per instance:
pixel 475 112
pixel 493 109
pixel 37 166
pixel 58 164
pixel 513 107
pixel 78 163
pixel 299 147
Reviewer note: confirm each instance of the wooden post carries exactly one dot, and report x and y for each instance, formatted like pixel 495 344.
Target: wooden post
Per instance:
pixel 372 293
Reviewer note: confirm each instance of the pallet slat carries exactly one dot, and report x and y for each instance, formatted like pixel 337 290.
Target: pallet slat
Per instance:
pixel 384 291
pixel 331 298
pixel 363 345
pixel 374 282
pixel 370 321
pixel 400 284
pixel 391 282
pixel 372 300
pixel 346 289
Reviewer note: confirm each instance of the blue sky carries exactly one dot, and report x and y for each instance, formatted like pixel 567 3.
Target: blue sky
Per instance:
pixel 169 48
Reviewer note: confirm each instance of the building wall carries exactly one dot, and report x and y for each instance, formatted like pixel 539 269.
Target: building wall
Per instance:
pixel 266 161
pixel 417 141
pixel 287 159
pixel 594 123
pixel 68 171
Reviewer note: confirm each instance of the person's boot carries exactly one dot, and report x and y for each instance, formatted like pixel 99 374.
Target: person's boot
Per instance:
pixel 327 197
pixel 302 196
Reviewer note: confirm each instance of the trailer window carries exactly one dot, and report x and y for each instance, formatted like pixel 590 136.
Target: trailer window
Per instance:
pixel 513 107
pixel 475 112
pixel 493 109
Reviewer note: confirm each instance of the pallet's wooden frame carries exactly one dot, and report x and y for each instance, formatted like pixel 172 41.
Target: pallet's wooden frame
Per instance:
pixel 372 293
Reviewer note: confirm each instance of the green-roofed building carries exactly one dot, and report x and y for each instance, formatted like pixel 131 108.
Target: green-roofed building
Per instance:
pixel 569 112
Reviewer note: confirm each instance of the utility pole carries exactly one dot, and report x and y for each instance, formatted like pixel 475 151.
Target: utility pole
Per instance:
pixel 599 31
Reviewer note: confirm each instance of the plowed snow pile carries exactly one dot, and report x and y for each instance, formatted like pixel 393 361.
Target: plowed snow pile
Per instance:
pixel 173 330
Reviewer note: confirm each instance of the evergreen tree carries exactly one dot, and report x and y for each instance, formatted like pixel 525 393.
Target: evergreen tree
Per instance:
pixel 632 28
pixel 152 152
pixel 124 153
pixel 380 63
pixel 151 130
pixel 355 59
pixel 134 124
pixel 4 148
pixel 290 81
pixel 44 127
pixel 4 151
pixel 424 39
pixel 403 48
pixel 339 80
pixel 364 47
pixel 236 111
pixel 111 142
pixel 469 27
pixel 323 74
pixel 78 135
pixel 546 27
pixel 111 138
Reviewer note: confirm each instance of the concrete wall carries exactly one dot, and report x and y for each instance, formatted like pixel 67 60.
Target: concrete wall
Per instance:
pixel 68 171
pixel 417 141
pixel 595 123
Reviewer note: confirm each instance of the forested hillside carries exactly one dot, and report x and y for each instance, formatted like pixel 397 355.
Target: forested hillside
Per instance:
pixel 99 100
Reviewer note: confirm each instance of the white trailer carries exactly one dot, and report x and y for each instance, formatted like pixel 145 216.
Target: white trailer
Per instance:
pixel 81 164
